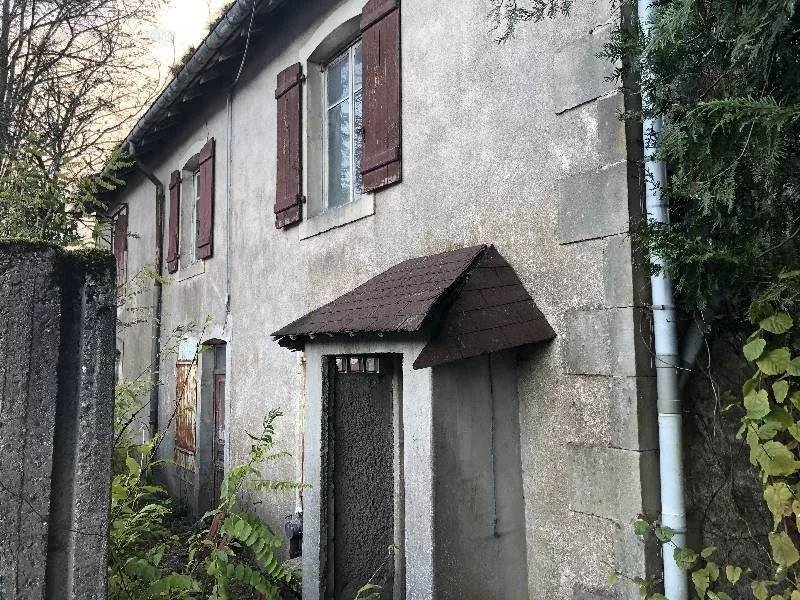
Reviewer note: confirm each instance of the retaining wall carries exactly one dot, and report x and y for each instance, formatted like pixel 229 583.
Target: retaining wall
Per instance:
pixel 57 330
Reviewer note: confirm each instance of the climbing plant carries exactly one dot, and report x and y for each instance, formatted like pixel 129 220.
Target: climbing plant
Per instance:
pixel 769 414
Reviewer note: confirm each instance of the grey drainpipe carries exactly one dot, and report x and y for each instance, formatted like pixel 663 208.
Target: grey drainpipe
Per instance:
pixel 155 345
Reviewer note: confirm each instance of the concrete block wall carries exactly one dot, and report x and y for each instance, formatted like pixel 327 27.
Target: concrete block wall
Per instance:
pixel 606 344
pixel 57 329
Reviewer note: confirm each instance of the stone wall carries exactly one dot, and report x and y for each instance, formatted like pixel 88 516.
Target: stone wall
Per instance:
pixel 57 322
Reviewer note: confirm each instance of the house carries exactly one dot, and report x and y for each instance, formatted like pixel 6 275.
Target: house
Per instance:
pixel 414 242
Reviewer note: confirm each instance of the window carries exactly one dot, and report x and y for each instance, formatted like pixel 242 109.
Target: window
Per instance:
pixel 343 140
pixel 195 208
pixel 189 199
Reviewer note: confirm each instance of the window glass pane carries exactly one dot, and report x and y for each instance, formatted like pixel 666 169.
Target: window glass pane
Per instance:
pixel 339 155
pixel 358 143
pixel 338 79
pixel 219 357
pixel 357 66
pixel 195 205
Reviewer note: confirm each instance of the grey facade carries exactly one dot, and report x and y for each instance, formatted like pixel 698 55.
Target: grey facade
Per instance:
pixel 516 145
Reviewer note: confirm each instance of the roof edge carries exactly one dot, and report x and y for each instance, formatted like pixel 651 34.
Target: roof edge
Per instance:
pixel 230 22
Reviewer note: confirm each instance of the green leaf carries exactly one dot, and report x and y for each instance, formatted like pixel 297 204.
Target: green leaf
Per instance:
pixel 707 552
pixel 685 558
pixel 776 459
pixel 754 349
pixel 778 323
pixel 701 582
pixel 784 552
pixel 719 596
pixel 760 589
pixel 757 404
pixel 794 367
pixel 780 389
pixel 779 500
pixel 774 362
pixel 641 527
pixel 612 578
pixel 664 534
pixel 733 573
pixel 133 467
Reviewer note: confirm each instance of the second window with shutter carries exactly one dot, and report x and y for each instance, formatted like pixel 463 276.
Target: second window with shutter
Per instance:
pixel 348 131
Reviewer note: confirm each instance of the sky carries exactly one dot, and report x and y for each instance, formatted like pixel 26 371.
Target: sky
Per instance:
pixel 183 23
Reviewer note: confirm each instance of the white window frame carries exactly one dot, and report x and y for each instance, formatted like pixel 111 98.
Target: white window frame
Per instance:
pixel 350 52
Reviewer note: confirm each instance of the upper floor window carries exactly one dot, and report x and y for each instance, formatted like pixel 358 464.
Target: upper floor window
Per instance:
pixel 344 145
pixel 194 212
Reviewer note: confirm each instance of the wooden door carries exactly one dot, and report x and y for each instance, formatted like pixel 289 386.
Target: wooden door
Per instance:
pixel 218 431
pixel 362 478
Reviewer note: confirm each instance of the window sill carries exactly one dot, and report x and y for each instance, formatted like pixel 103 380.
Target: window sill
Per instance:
pixel 355 211
pixel 193 270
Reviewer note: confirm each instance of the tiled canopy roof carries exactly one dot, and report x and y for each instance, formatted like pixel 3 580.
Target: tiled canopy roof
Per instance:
pixel 470 301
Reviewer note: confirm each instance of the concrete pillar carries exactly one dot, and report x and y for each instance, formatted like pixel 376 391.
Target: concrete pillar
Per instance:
pixel 57 331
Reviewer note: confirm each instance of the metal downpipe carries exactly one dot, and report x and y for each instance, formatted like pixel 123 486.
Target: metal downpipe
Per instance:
pixel 668 362
pixel 155 342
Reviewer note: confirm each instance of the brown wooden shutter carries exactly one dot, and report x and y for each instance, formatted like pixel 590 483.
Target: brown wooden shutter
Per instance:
pixel 289 175
pixel 205 209
pixel 380 28
pixel 120 244
pixel 174 221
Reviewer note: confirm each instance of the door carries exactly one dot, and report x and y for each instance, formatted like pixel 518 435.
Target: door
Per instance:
pixel 361 494
pixel 218 439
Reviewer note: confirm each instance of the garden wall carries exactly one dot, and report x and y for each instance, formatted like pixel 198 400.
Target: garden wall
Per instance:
pixel 57 330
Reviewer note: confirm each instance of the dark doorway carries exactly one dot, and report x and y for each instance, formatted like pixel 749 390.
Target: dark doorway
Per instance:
pixel 361 477
pixel 218 440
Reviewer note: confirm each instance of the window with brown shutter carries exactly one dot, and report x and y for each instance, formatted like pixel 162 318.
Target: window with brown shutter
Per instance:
pixel 380 28
pixel 173 238
pixel 205 209
pixel 119 245
pixel 288 183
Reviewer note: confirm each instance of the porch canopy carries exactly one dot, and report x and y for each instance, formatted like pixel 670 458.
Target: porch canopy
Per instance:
pixel 468 301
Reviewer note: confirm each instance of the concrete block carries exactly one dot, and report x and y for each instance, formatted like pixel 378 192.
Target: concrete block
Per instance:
pixel 612 144
pixel 612 341
pixel 613 483
pixel 625 278
pixel 581 593
pixel 630 334
pixel 579 75
pixel 587 342
pixel 594 204
pixel 635 557
pixel 633 414
pixel 57 321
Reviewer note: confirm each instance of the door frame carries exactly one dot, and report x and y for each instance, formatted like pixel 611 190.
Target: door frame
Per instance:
pixel 413 464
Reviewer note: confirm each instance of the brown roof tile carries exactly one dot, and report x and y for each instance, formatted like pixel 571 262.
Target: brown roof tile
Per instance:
pixel 470 300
